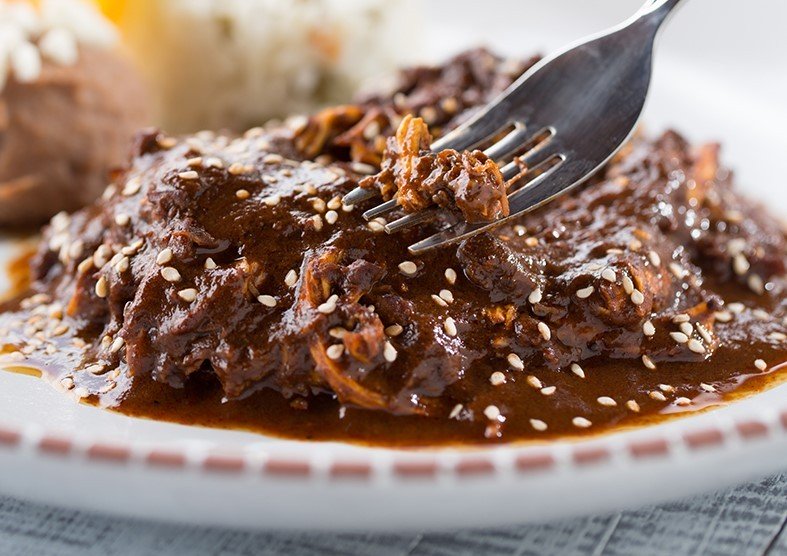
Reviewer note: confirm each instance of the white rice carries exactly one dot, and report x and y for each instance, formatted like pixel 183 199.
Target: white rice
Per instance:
pixel 237 63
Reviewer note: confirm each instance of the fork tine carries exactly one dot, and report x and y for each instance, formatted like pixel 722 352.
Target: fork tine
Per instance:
pixel 483 126
pixel 410 220
pixel 380 209
pixel 358 195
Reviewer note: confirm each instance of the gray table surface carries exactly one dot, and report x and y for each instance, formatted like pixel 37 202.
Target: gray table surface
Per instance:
pixel 747 520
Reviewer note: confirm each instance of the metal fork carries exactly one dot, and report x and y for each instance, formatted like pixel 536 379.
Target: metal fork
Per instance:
pixel 567 115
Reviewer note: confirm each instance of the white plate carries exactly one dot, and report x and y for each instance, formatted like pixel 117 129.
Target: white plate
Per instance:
pixel 55 451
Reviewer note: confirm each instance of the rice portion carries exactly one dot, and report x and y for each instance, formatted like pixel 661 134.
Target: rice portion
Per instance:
pixel 237 63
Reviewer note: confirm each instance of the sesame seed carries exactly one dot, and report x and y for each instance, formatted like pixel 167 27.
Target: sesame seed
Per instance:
pixel 609 275
pixel 447 296
pixel 272 201
pixel 450 275
pixel 85 265
pixel 755 284
pixel 389 352
pixel 117 345
pixel 760 364
pixel 242 194
pixel 317 222
pixel 687 328
pixel 408 268
pixel 122 219
pixel 581 422
pixel 584 293
pixel 492 412
pixel 170 274
pixel 531 242
pixel 722 316
pixel 534 382
pixel 679 337
pixel 335 351
pixel 516 362
pixel 544 330
pixel 331 217
pixel 394 330
pixel 667 388
pixel 195 162
pixel 189 294
pixel 761 314
pixel 329 306
pixel 628 285
pixel 606 401
pixel 335 203
pixel 696 346
pixel 637 297
pixel 497 378
pixel 633 406
pixel 777 336
pixel 102 289
pixel 648 362
pixel 740 265
pixel 535 296
pixel 188 175
pixel 682 401
pixel 132 186
pixel 707 387
pixel 681 318
pixel 456 411
pixel 337 332
pixel 549 390
pixel 439 300
pixel 538 425
pixel 736 307
pixel 648 329
pixel 677 270
pixel 375 226
pixel 122 265
pixel 210 264
pixel 577 370
pixel 658 396
pixel 237 169
pixel 450 327
pixel 655 260
pixel 291 278
pixel 267 300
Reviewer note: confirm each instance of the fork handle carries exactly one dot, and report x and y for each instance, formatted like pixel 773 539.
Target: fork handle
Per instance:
pixel 656 11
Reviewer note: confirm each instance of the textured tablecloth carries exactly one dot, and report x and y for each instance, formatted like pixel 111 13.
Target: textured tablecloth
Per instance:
pixel 748 520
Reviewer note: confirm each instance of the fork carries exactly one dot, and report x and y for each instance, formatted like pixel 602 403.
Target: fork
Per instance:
pixel 565 117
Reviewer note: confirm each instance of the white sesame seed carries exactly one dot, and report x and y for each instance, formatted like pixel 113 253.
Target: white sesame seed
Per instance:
pixel 633 406
pixel 628 285
pixel 122 265
pixel 679 337
pixel 329 306
pixel 516 362
pixel 534 382
pixel 189 294
pixel 132 186
pixel 450 327
pixel 331 217
pixel 117 345
pixel 335 351
pixel 682 401
pixel 394 330
pixel 447 296
pixel 102 289
pixel 170 274
pixel 122 219
pixel 267 300
pixel 408 268
pixel 164 256
pixel 210 264
pixel 761 314
pixel 492 412
pixel 755 284
pixel 687 328
pixel 450 275
pixel 777 336
pixel 317 222
pixel 648 329
pixel 497 378
pixel 242 194
pixel 85 265
pixel 736 307
pixel 456 411
pixel 337 332
pixel 581 422
pixel 577 370
pixel 538 425
pixel 637 297
pixel 606 401
pixel 707 387
pixel 696 346
pixel 584 293
pixel 549 390
pixel 544 330
pixel 609 275
pixel 648 362
pixel 535 296
pixel 722 316
pixel 677 270
pixel 439 300
pixel 188 175
pixel 669 389
pixel 195 162
pixel 375 226
pixel 389 352
pixel 272 201
pixel 760 364
pixel 740 265
pixel 291 278
pixel 658 396
pixel 655 260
